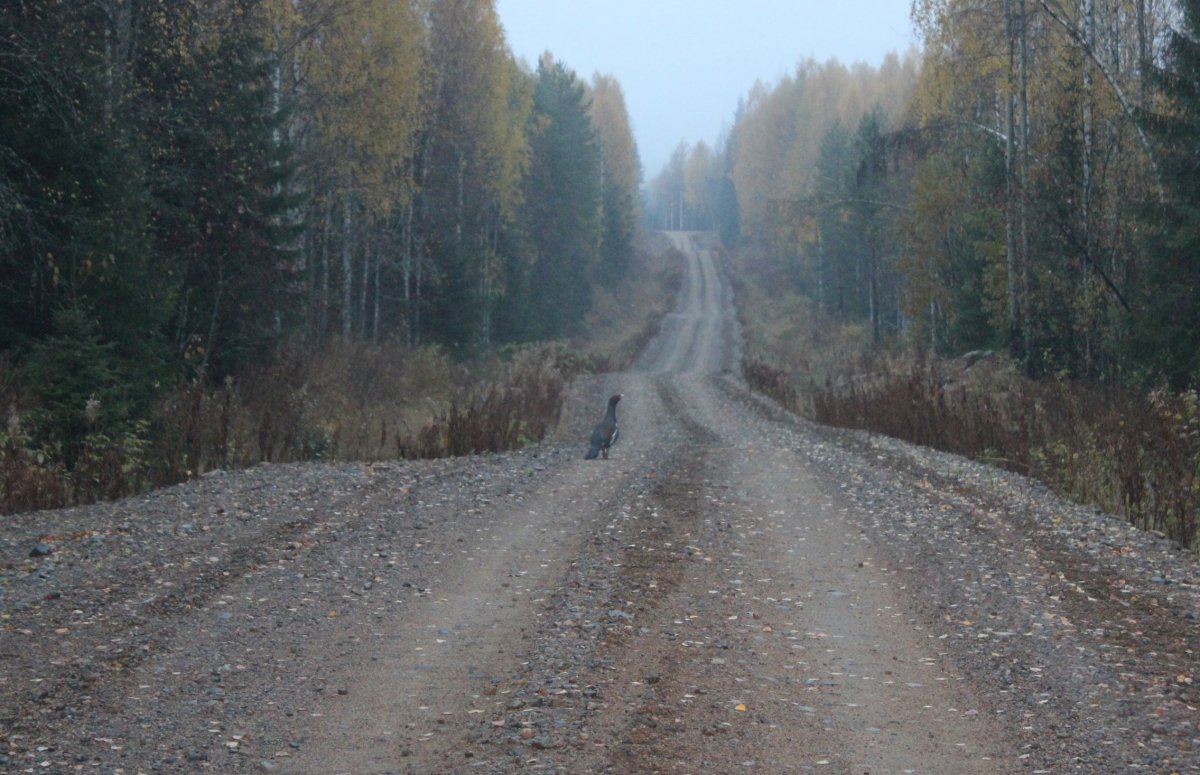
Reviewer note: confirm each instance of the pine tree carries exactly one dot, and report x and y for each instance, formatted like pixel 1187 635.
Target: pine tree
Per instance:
pixel 76 243
pixel 81 384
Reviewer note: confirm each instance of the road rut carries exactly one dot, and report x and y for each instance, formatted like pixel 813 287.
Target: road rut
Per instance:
pixel 734 590
pixel 744 622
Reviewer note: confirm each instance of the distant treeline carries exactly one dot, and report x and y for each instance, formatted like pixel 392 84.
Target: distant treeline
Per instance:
pixel 187 187
pixel 1028 182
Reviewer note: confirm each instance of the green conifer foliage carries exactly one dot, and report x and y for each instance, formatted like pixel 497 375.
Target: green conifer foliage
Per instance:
pixel 563 202
pixel 1166 338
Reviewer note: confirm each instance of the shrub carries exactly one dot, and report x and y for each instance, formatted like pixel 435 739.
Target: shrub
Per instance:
pixel 1132 454
pixel 519 407
pixel 79 437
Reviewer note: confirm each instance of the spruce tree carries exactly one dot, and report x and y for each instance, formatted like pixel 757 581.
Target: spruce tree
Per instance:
pixel 221 215
pixel 563 203
pixel 1165 342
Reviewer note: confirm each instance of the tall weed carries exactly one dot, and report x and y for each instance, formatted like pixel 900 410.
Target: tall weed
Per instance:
pixel 344 402
pixel 1134 455
pixel 519 407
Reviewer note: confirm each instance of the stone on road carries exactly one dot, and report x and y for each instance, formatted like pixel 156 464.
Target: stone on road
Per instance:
pixel 735 590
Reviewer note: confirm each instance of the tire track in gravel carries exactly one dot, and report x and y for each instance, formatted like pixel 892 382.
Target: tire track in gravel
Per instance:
pixel 418 702
pixel 702 335
pixel 789 649
pixel 730 617
pixel 734 590
pixel 142 607
pixel 433 700
pixel 707 607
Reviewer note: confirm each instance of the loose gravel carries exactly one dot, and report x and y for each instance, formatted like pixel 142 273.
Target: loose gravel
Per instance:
pixel 735 590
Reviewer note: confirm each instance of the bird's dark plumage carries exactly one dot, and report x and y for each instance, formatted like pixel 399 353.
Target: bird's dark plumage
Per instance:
pixel 605 434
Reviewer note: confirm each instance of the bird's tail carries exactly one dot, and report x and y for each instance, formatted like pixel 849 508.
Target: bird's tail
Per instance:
pixel 592 453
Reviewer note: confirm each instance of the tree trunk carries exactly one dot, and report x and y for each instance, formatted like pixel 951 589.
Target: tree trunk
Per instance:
pixel 347 270
pixel 460 202
pixel 408 272
pixel 873 294
pixel 367 259
pixel 323 293
pixel 1085 195
pixel 375 311
pixel 118 44
pixel 214 316
pixel 416 307
pixel 822 303
pixel 1010 191
pixel 1023 257
pixel 1143 48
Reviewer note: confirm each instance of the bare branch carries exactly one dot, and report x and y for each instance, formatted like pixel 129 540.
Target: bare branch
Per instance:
pixel 1057 15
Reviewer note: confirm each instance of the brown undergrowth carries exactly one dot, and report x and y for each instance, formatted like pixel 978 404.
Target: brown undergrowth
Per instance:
pixel 343 401
pixel 613 336
pixel 346 401
pixel 1132 454
pixel 1129 454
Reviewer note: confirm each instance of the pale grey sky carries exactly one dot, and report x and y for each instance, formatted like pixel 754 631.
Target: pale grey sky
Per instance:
pixel 684 63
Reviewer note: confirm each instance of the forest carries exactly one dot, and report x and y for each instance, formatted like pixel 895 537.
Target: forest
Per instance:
pixel 244 230
pixel 204 203
pixel 1023 190
pixel 1026 181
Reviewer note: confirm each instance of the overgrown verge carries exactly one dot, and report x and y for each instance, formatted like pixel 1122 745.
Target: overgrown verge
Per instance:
pixel 346 401
pixel 624 318
pixel 791 349
pixel 1136 455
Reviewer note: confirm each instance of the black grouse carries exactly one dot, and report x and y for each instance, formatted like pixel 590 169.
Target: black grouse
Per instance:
pixel 606 432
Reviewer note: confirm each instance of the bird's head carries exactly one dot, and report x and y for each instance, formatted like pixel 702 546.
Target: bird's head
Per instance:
pixel 615 398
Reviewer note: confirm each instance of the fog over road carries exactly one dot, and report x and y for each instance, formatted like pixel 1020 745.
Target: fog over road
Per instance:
pixel 734 590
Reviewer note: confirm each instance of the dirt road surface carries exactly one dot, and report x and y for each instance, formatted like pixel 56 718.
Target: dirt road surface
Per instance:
pixel 734 590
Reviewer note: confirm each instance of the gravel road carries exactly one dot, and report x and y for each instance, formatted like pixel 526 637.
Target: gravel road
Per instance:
pixel 734 590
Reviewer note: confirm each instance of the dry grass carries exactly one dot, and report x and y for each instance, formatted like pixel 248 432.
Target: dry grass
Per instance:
pixel 791 349
pixel 1133 455
pixel 346 401
pixel 614 335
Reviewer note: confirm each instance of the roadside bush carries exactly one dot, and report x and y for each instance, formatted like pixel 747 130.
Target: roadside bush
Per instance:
pixel 30 476
pixel 81 438
pixel 521 406
pixel 73 383
pixel 343 402
pixel 1134 455
pixel 770 380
